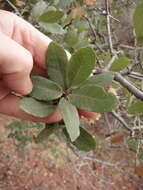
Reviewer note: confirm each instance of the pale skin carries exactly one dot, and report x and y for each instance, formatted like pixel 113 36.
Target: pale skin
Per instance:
pixel 22 50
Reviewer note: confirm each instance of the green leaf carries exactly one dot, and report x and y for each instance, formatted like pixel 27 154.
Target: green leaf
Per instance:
pixel 14 125
pixel 13 1
pixel 85 142
pixel 70 117
pixel 140 156
pixel 64 3
pixel 136 108
pixel 119 64
pixel 93 98
pixel 137 20
pixel 38 9
pixel 51 16
pixel 44 89
pixel 36 108
pixel 46 132
pixel 18 125
pixel 102 80
pixel 81 65
pixel 56 63
pixel 53 28
pixel 71 38
pixel 133 144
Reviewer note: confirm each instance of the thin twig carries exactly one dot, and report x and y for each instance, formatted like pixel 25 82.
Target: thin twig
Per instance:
pixel 110 62
pixel 100 161
pixel 137 74
pixel 121 120
pixel 126 46
pixel 91 27
pixel 94 34
pixel 114 18
pixel 107 121
pixel 112 51
pixel 124 82
pixel 130 87
pixel 135 77
pixel 138 128
pixel 141 64
pixel 139 142
pixel 14 8
pixel 109 28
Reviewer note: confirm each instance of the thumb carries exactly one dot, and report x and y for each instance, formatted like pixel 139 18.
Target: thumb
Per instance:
pixel 15 65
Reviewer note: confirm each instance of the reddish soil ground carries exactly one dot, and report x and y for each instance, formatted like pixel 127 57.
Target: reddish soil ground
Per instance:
pixel 31 169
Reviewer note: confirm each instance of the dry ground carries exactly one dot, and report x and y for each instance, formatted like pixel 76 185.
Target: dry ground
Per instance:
pixel 38 168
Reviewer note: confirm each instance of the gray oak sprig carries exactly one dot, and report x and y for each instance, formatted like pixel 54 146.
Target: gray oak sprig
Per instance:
pixel 70 86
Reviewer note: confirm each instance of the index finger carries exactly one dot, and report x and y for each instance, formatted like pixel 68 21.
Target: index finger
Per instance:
pixel 15 111
pixel 26 35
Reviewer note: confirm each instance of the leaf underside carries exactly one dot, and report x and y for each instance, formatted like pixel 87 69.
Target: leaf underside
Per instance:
pixel 36 108
pixel 70 117
pixel 44 89
pixel 53 28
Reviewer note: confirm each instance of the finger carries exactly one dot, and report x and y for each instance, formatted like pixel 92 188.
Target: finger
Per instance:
pixel 4 91
pixel 39 71
pixel 15 111
pixel 26 35
pixel 89 115
pixel 15 65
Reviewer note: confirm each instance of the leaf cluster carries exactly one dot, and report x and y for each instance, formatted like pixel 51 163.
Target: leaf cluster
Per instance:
pixel 70 87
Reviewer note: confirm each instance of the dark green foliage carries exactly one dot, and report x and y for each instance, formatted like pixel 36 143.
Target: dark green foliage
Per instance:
pixel 85 142
pixel 23 131
pixel 69 75
pixel 136 108
pixel 119 64
pixel 46 132
pixel 51 16
pixel 137 19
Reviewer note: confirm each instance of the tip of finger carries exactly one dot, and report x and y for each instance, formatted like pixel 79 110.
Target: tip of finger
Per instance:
pixel 22 87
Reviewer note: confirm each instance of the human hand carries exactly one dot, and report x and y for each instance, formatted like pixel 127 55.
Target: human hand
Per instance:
pixel 22 50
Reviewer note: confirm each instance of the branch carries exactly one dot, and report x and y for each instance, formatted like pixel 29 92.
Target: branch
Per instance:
pixel 130 87
pixel 113 53
pixel 100 161
pixel 13 7
pixel 126 84
pixel 109 28
pixel 94 34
